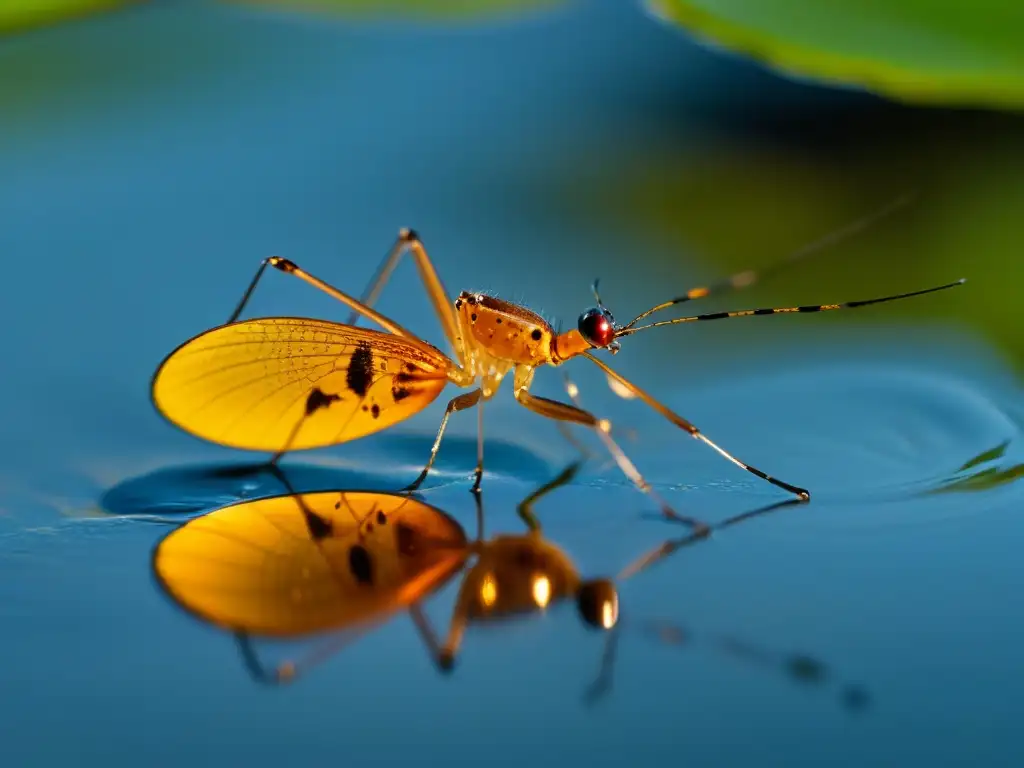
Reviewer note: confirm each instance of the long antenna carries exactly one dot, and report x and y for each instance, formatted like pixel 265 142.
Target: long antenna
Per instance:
pixel 626 331
pixel 748 277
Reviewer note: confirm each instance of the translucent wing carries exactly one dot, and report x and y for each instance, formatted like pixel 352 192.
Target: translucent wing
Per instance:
pixel 277 383
pixel 265 568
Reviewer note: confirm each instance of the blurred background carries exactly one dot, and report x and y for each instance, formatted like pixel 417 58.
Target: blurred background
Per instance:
pixel 151 153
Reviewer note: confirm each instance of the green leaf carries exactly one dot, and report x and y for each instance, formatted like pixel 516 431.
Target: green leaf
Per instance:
pixel 740 193
pixel 927 51
pixel 446 10
pixel 16 15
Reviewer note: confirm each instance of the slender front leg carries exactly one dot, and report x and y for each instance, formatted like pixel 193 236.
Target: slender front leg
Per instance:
pixel 629 468
pixel 459 403
pixel 679 421
pixel 558 411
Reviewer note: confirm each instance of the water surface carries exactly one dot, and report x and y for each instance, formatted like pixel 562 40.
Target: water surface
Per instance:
pixel 143 178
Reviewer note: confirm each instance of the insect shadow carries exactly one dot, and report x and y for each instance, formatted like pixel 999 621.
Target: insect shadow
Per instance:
pixel 191 489
pixel 340 563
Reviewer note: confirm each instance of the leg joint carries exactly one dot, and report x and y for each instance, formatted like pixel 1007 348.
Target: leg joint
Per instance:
pixel 285 265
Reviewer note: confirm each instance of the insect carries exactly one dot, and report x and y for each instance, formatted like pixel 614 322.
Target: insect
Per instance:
pixel 345 562
pixel 280 384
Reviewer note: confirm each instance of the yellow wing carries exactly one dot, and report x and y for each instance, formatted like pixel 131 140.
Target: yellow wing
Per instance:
pixel 291 565
pixel 279 383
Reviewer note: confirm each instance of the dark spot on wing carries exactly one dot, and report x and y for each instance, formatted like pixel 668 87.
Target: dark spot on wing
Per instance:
pixel 398 389
pixel 319 399
pixel 360 564
pixel 360 369
pixel 318 527
pixel 375 410
pixel 408 539
pixel 411 368
pixel 381 517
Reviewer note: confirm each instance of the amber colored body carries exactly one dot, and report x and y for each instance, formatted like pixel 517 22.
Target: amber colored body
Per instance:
pixel 290 383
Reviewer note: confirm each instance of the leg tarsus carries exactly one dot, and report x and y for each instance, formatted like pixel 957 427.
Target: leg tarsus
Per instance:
pixel 458 403
pixel 248 291
pixel 554 409
pixel 283 673
pixel 478 473
pixel 802 493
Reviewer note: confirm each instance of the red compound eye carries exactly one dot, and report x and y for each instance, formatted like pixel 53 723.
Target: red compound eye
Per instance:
pixel 595 325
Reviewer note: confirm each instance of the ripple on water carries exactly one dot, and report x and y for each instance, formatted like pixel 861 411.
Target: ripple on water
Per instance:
pixel 884 433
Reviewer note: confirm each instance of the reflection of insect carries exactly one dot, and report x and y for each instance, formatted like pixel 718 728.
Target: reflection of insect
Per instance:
pixel 286 383
pixel 346 561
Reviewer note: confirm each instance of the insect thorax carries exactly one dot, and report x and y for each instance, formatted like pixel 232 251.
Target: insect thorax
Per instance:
pixel 498 334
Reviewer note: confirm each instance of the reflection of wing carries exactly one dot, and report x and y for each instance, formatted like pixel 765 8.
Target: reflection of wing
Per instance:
pixel 253 384
pixel 274 567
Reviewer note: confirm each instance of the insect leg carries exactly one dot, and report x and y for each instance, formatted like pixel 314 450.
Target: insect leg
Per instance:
pixel 553 409
pixel 603 681
pixel 409 241
pixel 525 507
pixel 800 668
pixel 442 658
pixel 479 472
pixel 287 671
pixel 629 468
pixel 671 546
pixel 291 268
pixel 679 421
pixel 664 631
pixel 444 655
pixel 459 403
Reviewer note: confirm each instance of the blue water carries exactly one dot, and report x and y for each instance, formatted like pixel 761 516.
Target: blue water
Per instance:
pixel 151 158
